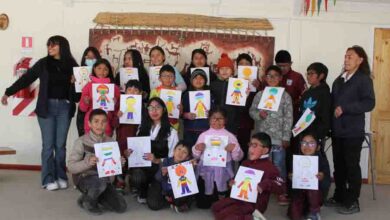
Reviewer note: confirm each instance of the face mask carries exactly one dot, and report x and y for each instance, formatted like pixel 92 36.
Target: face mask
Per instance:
pixel 90 62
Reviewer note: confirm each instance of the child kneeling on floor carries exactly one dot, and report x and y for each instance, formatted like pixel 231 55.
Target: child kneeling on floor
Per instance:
pixel 271 182
pixel 96 192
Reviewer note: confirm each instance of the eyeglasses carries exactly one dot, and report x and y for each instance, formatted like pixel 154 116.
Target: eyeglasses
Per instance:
pixel 283 66
pixel 154 108
pixel 270 76
pixel 217 119
pixel 167 76
pixel 311 144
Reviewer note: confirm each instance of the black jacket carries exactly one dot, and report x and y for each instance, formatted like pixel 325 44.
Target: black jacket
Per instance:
pixel 40 70
pixel 318 99
pixel 356 97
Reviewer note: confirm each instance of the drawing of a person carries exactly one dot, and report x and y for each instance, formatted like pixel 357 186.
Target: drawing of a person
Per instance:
pixel 200 108
pixel 170 105
pixel 130 102
pixel 245 185
pixel 84 76
pixel 103 90
pixel 183 181
pixel 270 101
pixel 303 125
pixel 236 94
pixel 107 156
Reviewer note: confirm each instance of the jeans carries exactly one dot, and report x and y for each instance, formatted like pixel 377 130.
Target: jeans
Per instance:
pixel 278 156
pixel 54 132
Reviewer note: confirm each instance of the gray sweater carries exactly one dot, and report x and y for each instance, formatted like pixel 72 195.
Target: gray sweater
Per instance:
pixel 277 124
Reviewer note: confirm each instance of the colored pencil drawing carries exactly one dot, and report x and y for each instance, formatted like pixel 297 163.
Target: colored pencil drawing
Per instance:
pixel 305 170
pixel 215 153
pixel 304 122
pixel 237 92
pixel 82 76
pixel 245 186
pixel 182 179
pixel 199 103
pixel 103 95
pixel 172 100
pixel 271 98
pixel 131 107
pixel 109 159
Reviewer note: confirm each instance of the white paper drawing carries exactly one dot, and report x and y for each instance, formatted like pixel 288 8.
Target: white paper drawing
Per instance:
pixel 103 96
pixel 199 103
pixel 215 153
pixel 109 159
pixel 271 98
pixel 172 100
pixel 305 170
pixel 154 73
pixel 82 75
pixel 245 186
pixel 249 73
pixel 236 93
pixel 206 70
pixel 304 122
pixel 126 74
pixel 140 146
pixel 131 107
pixel 183 180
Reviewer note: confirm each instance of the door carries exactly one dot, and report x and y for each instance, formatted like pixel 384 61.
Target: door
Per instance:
pixel 380 121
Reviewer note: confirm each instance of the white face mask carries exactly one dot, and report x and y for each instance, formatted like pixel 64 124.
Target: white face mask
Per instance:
pixel 90 62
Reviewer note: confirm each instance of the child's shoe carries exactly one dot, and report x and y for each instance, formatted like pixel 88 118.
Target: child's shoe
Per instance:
pixel 51 186
pixel 257 215
pixel 350 209
pixel 183 208
pixel 283 200
pixel 141 200
pixel 313 216
pixel 63 184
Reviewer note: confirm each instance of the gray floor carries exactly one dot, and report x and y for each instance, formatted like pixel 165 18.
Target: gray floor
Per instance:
pixel 21 198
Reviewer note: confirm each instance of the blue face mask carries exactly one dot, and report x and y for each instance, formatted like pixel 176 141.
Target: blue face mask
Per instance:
pixel 90 62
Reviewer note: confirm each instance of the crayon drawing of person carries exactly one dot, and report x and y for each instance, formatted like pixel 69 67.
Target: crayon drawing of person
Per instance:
pixel 200 108
pixel 236 94
pixel 270 101
pixel 183 181
pixel 103 90
pixel 130 102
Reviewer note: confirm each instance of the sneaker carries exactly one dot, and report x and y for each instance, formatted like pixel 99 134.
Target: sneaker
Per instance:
pixel 141 200
pixel 313 216
pixel 331 202
pixel 283 200
pixel 63 184
pixel 179 209
pixel 257 215
pixel 51 186
pixel 348 210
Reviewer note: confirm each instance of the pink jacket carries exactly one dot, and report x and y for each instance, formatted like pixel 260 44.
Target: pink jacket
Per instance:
pixel 87 92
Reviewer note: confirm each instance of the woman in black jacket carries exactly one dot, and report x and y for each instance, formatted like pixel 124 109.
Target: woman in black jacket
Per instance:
pixel 55 107
pixel 352 96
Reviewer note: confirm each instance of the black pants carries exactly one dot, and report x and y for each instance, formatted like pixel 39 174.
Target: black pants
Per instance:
pixel 347 172
pixel 204 201
pixel 97 191
pixel 80 122
pixel 141 178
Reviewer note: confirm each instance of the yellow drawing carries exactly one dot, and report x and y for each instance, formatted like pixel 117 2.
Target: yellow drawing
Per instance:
pixel 270 101
pixel 200 108
pixel 130 102
pixel 236 94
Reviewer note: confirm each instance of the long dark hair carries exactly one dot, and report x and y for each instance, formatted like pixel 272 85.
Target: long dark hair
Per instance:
pixel 147 122
pixel 65 54
pixel 198 51
pixel 108 65
pixel 159 49
pixel 364 66
pixel 86 51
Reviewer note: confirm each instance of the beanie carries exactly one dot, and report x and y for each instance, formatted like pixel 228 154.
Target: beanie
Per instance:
pixel 225 61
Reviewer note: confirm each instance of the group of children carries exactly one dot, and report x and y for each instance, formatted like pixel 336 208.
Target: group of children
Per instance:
pixel 267 149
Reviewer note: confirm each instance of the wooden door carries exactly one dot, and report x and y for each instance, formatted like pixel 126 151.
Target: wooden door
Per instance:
pixel 380 120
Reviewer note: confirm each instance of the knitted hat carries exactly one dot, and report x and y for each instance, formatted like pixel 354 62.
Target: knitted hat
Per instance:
pixel 199 72
pixel 225 61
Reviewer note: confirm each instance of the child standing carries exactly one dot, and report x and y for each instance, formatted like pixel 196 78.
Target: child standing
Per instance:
pixel 277 124
pixel 198 59
pixel 181 153
pixel 219 89
pixel 82 164
pixel 157 58
pixel 258 158
pixel 101 73
pixel 214 180
pixel 133 58
pixel 310 200
pixel 194 127
pixel 90 56
pixel 163 139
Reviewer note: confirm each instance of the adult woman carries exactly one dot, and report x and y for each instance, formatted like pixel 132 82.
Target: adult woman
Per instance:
pixel 352 96
pixel 55 107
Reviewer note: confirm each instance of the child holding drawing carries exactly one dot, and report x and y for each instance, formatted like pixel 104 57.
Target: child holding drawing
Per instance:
pixel 213 180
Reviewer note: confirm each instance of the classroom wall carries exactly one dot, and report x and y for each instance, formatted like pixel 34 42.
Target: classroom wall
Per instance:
pixel 308 38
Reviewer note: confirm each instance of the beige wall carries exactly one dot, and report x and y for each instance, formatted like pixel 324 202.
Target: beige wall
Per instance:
pixel 319 38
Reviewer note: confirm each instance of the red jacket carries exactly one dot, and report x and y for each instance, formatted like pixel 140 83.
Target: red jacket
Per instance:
pixel 87 92
pixel 295 85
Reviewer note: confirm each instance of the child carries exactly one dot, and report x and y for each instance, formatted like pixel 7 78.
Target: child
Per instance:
pixel 181 153
pixel 198 59
pixel 157 58
pixel 219 90
pixel 194 127
pixel 258 158
pixel 163 139
pixel 277 124
pixel 82 164
pixel 309 201
pixel 214 180
pixel 167 79
pixel 133 58
pixel 133 87
pixel 101 73
pixel 90 55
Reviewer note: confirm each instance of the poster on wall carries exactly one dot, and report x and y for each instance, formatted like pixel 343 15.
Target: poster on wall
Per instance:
pixel 178 46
